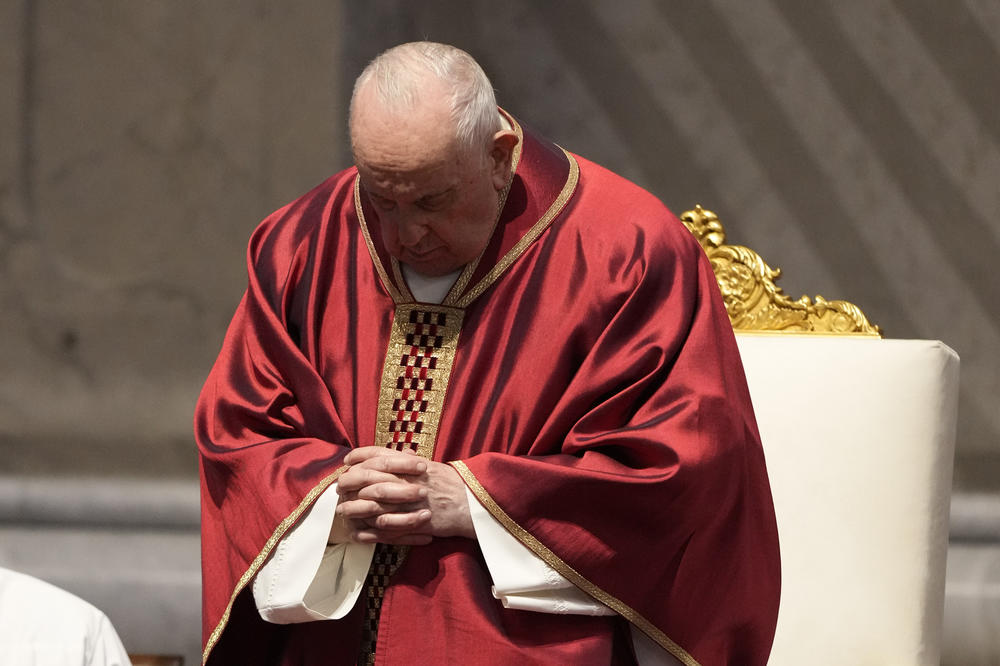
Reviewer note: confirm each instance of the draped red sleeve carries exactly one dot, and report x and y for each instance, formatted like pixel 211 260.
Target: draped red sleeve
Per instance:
pixel 270 430
pixel 643 478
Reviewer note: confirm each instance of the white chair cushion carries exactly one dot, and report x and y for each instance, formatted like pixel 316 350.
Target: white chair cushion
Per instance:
pixel 859 438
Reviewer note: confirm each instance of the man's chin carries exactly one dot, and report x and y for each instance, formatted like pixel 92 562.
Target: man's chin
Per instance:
pixel 430 268
pixel 435 263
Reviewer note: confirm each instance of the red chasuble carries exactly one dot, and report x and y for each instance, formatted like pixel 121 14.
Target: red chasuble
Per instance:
pixel 582 377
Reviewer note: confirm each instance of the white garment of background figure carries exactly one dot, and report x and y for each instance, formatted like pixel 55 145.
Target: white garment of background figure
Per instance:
pixel 42 625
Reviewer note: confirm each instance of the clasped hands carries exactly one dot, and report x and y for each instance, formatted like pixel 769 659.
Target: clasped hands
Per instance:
pixel 398 498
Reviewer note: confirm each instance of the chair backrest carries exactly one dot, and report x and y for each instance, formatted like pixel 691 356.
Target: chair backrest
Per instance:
pixel 859 433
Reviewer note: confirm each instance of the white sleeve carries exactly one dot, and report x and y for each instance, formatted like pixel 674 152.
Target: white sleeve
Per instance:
pixel 105 646
pixel 523 581
pixel 305 579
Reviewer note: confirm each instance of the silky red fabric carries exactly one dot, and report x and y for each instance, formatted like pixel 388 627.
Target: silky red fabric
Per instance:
pixel 596 394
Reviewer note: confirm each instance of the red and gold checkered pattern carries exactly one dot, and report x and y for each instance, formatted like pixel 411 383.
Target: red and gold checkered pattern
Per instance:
pixel 385 561
pixel 415 385
pixel 414 381
pixel 415 376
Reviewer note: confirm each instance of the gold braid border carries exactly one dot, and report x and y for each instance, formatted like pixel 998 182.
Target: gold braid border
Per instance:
pixel 536 230
pixel 406 296
pixel 397 297
pixel 568 572
pixel 265 552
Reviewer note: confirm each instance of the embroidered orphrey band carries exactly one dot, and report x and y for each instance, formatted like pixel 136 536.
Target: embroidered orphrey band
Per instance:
pixel 415 376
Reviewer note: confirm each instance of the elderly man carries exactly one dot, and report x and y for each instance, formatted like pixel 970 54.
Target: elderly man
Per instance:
pixel 480 404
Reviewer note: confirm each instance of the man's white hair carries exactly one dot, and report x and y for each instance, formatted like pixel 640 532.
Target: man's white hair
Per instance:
pixel 399 76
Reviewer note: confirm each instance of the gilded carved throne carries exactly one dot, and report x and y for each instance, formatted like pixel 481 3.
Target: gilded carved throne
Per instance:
pixel 859 435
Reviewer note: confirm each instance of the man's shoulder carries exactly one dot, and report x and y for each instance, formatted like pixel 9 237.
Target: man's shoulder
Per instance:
pixel 618 211
pixel 306 216
pixel 601 184
pixel 31 604
pixel 335 190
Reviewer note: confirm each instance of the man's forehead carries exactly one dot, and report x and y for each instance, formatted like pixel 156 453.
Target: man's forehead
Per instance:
pixel 385 157
pixel 422 135
pixel 394 174
pixel 421 181
pixel 432 107
pixel 413 148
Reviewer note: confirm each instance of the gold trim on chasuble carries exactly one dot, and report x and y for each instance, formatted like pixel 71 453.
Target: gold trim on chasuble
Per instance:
pixel 527 239
pixel 258 562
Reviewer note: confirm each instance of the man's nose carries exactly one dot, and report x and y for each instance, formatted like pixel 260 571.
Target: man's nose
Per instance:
pixel 411 231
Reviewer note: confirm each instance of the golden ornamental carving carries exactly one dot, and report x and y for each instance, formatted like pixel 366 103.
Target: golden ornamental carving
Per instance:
pixel 753 300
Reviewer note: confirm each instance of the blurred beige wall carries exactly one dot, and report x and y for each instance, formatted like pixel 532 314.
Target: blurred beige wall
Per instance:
pixel 142 142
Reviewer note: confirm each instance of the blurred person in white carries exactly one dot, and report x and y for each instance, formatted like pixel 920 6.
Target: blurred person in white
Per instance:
pixel 42 625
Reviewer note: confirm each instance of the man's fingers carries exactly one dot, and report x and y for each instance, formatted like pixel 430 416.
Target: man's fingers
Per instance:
pixel 360 509
pixel 402 522
pixel 384 516
pixel 386 460
pixel 396 528
pixel 393 493
pixel 378 536
pixel 357 478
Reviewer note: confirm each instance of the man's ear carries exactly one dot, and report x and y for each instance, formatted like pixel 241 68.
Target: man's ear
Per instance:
pixel 501 153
